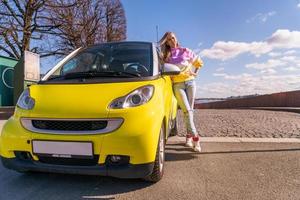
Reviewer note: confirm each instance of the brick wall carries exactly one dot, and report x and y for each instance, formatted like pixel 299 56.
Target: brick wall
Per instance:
pixel 283 99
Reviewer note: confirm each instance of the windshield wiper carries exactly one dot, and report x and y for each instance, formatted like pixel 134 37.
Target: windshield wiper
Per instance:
pixel 92 74
pixel 129 74
pixel 55 77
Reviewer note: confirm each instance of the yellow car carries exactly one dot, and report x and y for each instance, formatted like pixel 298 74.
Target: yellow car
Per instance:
pixel 103 110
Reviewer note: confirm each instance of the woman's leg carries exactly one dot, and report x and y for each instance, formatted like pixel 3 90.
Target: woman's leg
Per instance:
pixel 180 92
pixel 191 92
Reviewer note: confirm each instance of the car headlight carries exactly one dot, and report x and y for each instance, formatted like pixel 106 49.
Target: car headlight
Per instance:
pixel 25 101
pixel 135 98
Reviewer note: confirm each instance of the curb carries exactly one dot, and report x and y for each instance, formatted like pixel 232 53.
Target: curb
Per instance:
pixel 280 109
pixel 177 140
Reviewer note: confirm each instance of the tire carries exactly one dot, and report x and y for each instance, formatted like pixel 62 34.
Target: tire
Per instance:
pixel 174 129
pixel 159 163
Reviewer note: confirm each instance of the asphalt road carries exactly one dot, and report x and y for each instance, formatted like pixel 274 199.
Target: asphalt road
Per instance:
pixel 223 171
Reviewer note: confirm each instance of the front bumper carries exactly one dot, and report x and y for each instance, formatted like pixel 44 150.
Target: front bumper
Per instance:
pixel 137 137
pixel 124 171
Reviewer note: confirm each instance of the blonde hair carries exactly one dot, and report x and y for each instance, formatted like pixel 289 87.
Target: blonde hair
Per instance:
pixel 165 48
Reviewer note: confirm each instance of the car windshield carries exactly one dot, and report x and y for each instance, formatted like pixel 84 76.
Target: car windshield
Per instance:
pixel 109 60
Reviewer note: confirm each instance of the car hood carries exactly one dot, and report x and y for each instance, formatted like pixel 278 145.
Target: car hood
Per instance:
pixel 76 100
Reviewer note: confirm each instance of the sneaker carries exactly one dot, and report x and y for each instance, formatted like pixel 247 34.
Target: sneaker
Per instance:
pixel 196 144
pixel 189 140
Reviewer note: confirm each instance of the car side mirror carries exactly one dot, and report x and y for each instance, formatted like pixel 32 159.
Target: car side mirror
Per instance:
pixel 170 69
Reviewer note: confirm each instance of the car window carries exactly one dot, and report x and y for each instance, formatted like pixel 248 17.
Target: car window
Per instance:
pixel 117 57
pixel 85 61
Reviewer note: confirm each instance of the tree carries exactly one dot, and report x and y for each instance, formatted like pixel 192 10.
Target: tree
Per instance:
pixel 56 27
pixel 90 22
pixel 22 24
pixel 115 21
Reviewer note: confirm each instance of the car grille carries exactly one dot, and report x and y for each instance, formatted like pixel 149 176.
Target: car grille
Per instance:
pixel 26 156
pixel 69 125
pixel 70 161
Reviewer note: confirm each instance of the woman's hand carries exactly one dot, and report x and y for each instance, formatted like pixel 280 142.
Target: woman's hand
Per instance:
pixel 191 73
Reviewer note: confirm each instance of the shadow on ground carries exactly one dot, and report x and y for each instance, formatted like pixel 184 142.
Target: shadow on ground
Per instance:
pixel 61 186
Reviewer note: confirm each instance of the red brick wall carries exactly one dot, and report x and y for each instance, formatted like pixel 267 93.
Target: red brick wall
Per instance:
pixel 283 99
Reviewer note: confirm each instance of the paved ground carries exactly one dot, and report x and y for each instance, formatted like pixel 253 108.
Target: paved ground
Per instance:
pixel 245 123
pixel 235 167
pixel 224 171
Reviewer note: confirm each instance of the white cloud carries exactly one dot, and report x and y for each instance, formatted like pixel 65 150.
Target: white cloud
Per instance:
pixel 226 50
pixel 220 69
pixel 250 84
pixel 290 52
pixel 233 77
pixel 285 63
pixel 274 54
pixel 298 5
pixel 271 63
pixel 213 90
pixel 289 58
pixel 285 39
pixel 277 54
pixel 280 39
pixel 268 71
pixel 262 17
pixel 292 69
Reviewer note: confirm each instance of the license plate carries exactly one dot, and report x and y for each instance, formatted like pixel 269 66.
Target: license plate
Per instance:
pixel 62 149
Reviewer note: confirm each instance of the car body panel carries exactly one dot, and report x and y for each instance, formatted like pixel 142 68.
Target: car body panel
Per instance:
pixel 137 137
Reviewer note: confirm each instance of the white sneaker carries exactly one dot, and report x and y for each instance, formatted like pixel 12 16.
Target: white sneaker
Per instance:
pixel 189 141
pixel 196 144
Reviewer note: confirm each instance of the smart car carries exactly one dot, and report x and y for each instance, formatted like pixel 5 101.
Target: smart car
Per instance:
pixel 104 110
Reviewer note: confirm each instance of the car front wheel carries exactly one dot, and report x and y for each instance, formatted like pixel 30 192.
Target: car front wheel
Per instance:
pixel 159 162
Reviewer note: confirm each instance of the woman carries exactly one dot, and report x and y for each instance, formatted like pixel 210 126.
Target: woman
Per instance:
pixel 184 86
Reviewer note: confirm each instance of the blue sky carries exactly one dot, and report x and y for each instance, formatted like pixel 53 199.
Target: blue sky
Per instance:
pixel 248 47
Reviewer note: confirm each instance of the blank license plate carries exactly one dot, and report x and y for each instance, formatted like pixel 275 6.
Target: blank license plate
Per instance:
pixel 63 149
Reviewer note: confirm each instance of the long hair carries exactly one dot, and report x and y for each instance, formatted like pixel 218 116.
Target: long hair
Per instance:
pixel 165 48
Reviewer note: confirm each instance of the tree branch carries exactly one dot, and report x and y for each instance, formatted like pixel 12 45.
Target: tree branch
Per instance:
pixel 43 55
pixel 8 52
pixel 17 3
pixel 9 15
pixel 15 37
pixel 11 46
pixel 12 12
